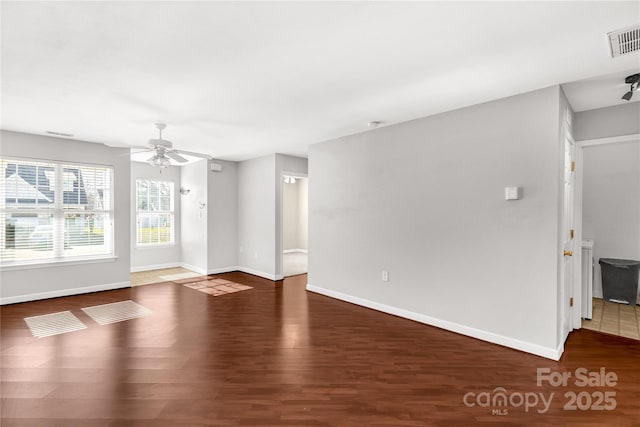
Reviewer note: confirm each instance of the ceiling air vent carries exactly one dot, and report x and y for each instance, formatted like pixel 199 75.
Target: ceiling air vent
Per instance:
pixel 624 41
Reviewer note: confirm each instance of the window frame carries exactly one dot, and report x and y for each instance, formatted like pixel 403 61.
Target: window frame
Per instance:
pixel 171 213
pixel 58 212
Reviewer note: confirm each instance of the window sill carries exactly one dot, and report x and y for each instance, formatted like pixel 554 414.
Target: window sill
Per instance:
pixel 56 263
pixel 147 247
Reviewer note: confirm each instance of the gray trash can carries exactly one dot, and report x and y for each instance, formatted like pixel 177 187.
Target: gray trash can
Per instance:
pixel 620 280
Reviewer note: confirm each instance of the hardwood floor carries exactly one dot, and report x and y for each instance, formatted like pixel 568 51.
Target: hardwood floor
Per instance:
pixel 276 355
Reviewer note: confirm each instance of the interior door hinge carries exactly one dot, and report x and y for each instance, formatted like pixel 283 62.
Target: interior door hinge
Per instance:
pixel 571 302
pixel 571 232
pixel 573 166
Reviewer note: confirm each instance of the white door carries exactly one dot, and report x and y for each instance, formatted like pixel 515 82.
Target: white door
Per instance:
pixel 568 242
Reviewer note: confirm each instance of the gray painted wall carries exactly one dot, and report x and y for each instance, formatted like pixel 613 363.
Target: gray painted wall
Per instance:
pixel 194 218
pixel 257 216
pixel 605 122
pixel 611 202
pixel 222 227
pixel 44 282
pixel 260 212
pixel 424 200
pixel 156 257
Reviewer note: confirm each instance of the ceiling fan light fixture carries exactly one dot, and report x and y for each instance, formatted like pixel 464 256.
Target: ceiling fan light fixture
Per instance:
pixel 160 161
pixel 164 153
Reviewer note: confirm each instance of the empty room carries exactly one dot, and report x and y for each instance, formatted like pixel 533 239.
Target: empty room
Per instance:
pixel 319 213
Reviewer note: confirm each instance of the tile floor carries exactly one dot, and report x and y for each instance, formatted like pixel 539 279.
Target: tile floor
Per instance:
pixel 214 286
pixel 616 319
pixel 154 276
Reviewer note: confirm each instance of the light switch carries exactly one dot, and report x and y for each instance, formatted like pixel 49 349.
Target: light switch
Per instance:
pixel 513 193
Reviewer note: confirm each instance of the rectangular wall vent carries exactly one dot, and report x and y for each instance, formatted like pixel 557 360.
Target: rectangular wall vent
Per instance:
pixel 624 41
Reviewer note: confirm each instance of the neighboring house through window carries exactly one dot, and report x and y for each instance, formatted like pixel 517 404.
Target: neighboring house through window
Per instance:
pixel 154 213
pixel 54 211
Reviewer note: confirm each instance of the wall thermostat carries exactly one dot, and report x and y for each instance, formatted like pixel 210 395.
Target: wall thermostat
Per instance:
pixel 513 193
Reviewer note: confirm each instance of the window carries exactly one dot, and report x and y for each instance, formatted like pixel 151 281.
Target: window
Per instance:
pixel 54 211
pixel 154 212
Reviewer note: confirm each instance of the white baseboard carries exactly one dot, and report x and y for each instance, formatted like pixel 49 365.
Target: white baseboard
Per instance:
pixel 289 251
pixel 260 273
pixel 63 293
pixel 538 350
pixel 222 270
pixel 193 268
pixel 137 269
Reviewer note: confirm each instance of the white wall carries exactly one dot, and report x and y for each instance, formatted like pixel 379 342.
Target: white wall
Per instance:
pixel 611 203
pixel 46 282
pixel 290 215
pixel 194 220
pixel 222 244
pixel 424 200
pixel 155 257
pixel 294 215
pixel 257 216
pixel 303 213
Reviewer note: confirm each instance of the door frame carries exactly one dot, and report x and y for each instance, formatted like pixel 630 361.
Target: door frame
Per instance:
pixel 577 212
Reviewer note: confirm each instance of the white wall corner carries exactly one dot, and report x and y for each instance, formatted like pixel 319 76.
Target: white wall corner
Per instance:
pixel 200 270
pixel 538 350
pixel 63 293
pixel 262 274
pixel 220 270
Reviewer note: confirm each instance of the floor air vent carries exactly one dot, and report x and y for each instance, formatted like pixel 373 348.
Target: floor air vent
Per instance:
pixel 624 41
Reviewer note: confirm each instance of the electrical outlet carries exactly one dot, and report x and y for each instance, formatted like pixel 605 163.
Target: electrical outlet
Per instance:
pixel 255 255
pixel 385 276
pixel 241 249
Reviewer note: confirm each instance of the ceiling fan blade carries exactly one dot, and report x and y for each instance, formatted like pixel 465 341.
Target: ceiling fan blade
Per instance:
pixel 175 156
pixel 191 153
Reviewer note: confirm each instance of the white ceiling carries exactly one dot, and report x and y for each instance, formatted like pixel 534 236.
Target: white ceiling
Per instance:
pixel 242 79
pixel 600 91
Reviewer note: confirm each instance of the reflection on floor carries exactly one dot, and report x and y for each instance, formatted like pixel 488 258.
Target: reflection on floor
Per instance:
pixel 294 263
pixel 616 319
pixel 217 286
pixel 155 276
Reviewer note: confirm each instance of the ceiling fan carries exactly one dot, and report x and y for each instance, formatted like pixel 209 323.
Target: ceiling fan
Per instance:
pixel 631 80
pixel 164 152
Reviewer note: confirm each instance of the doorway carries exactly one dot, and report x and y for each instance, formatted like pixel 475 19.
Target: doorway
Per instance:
pixel 608 215
pixel 567 238
pixel 295 235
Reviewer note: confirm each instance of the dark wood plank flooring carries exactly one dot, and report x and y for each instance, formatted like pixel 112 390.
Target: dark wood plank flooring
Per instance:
pixel 277 355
